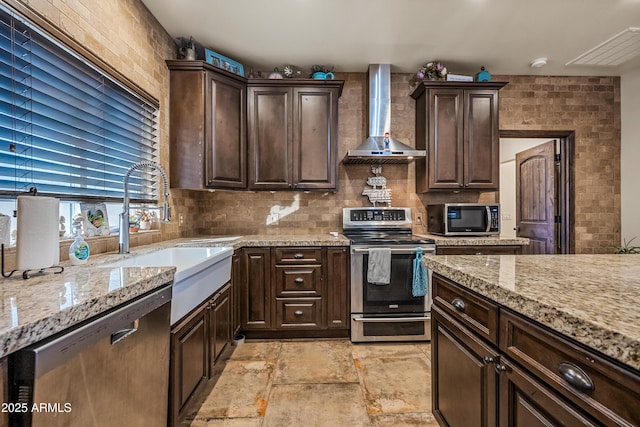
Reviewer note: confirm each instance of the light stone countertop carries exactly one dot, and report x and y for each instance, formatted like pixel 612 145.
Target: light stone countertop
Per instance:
pixel 474 240
pixel 593 299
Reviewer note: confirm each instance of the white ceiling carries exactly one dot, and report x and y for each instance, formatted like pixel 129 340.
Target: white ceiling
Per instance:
pixel 503 35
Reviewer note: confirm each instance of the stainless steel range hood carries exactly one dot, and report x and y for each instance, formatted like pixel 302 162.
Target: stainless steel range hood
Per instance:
pixel 373 151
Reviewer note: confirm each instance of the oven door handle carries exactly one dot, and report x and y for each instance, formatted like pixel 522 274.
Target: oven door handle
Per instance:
pixel 395 251
pixel 391 319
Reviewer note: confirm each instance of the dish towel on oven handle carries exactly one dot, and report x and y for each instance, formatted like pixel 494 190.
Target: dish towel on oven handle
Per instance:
pixel 379 267
pixel 419 276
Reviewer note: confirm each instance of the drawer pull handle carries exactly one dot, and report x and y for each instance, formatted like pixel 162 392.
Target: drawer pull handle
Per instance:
pixel 488 360
pixel 500 368
pixel 458 304
pixel 575 376
pixel 298 255
pixel 298 313
pixel 298 280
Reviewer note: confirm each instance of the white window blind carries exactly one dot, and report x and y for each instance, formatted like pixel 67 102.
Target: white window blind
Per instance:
pixel 66 128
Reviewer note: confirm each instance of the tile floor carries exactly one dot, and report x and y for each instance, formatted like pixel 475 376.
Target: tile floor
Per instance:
pixel 316 383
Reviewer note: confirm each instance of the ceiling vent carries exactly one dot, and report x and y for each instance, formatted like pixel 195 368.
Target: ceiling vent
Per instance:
pixel 617 50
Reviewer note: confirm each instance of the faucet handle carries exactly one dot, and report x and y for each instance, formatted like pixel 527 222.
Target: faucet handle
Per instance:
pixel 166 212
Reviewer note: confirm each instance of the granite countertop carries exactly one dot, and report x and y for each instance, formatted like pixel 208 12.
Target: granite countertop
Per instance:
pixel 39 307
pixel 475 240
pixel 593 299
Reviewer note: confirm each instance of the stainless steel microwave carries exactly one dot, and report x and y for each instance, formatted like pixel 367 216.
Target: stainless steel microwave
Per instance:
pixel 464 219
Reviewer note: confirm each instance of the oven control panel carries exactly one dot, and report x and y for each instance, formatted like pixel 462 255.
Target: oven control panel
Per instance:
pixel 360 215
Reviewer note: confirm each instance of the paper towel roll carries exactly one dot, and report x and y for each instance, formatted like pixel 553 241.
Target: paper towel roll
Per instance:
pixel 37 242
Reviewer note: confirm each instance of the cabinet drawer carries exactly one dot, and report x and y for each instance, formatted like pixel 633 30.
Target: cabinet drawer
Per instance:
pixel 303 281
pixel 299 313
pixel 615 392
pixel 475 312
pixel 298 255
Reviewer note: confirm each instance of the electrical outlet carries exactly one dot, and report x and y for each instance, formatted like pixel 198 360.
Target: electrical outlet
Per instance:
pixel 273 219
pixel 419 218
pixel 181 219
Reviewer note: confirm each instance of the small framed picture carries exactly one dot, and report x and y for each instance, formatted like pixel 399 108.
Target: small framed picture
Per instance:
pixel 95 221
pixel 223 62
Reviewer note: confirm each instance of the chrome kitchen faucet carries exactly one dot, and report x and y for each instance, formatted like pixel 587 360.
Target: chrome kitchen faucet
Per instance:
pixel 124 215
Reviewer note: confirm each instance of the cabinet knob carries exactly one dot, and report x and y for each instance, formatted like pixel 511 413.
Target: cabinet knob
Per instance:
pixel 298 280
pixel 461 185
pixel 458 304
pixel 298 313
pixel 298 255
pixel 479 253
pixel 575 376
pixel 488 360
pixel 500 368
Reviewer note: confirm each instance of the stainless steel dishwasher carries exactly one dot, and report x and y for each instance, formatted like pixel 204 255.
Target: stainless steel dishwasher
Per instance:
pixel 111 371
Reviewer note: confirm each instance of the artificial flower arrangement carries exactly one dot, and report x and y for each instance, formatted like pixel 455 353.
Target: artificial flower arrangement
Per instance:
pixel 433 70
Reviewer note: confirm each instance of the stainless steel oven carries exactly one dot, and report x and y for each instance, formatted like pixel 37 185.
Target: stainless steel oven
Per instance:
pixel 386 312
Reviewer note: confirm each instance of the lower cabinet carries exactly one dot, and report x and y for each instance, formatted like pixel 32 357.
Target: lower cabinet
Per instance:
pixel 295 292
pixel 196 343
pixel 524 375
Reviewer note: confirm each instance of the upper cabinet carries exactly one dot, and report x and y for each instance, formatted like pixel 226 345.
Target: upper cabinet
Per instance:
pixel 292 134
pixel 207 127
pixel 457 123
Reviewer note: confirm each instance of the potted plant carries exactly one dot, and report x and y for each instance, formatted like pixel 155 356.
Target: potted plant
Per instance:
pixel 626 247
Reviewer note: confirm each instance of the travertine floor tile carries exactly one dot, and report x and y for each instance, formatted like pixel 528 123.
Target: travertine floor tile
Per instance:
pixel 316 405
pixel 315 362
pixel 388 350
pixel 241 391
pixel 395 385
pixel 422 419
pixel 260 350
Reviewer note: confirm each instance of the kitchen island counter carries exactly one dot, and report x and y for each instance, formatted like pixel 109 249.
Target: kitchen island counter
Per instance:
pixel 592 299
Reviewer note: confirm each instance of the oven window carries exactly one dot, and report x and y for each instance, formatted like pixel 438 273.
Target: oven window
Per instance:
pixel 396 297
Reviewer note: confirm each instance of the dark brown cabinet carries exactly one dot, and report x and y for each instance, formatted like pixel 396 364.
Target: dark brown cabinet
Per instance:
pixel 457 124
pixel 207 127
pixel 292 134
pixel 236 280
pixel 491 366
pixel 295 292
pixel 197 341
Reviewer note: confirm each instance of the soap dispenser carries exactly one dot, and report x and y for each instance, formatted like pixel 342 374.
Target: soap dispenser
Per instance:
pixel 79 249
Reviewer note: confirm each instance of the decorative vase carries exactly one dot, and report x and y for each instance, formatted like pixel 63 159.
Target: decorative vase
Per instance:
pixel 145 225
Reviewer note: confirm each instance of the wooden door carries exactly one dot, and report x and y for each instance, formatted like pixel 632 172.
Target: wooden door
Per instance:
pixel 464 383
pixel 270 138
pixel 315 130
pixel 535 198
pixel 219 325
pixel 256 295
pixel 524 402
pixel 225 136
pixel 337 288
pixel 445 130
pixel 481 140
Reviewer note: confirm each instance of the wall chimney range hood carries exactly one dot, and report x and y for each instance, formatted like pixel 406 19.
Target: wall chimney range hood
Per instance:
pixel 372 150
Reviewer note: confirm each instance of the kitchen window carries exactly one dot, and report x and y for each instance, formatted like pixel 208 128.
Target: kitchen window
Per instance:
pixel 68 128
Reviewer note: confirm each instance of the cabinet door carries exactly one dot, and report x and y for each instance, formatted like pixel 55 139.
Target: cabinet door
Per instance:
pixel 225 139
pixel 270 139
pixel 256 295
pixel 236 281
pixel 189 357
pixel 481 139
pixel 219 324
pixel 464 382
pixel 337 285
pixel 524 402
pixel 315 128
pixel 445 136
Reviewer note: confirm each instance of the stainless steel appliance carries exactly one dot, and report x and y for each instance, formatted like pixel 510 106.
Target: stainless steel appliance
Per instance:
pixel 464 219
pixel 386 312
pixel 111 371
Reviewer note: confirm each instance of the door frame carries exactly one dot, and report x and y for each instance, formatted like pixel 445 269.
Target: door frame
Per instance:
pixel 565 185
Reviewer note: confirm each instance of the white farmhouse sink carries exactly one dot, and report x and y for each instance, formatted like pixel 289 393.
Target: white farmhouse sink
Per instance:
pixel 199 273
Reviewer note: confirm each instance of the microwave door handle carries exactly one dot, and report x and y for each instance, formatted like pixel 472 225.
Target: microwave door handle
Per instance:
pixel 488 218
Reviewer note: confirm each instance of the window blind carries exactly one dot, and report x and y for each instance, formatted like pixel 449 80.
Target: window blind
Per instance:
pixel 66 128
